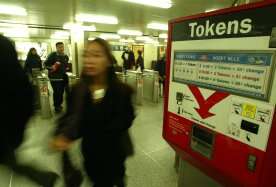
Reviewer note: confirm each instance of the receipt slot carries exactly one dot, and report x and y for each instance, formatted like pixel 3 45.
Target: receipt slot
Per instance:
pixel 220 100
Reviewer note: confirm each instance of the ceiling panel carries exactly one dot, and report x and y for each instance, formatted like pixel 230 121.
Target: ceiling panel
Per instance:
pixel 54 13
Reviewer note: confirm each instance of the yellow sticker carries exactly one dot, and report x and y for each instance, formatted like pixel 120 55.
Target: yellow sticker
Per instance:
pixel 249 111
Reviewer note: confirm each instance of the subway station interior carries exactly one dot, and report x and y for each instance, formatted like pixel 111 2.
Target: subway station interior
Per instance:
pixel 204 93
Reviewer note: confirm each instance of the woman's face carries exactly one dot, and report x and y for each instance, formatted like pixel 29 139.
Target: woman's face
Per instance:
pixel 33 52
pixel 95 60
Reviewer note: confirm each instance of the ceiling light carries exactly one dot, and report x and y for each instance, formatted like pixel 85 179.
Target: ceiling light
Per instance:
pixel 21 26
pixel 78 26
pixel 15 33
pixel 60 35
pixel 13 10
pixel 97 18
pixel 211 10
pixel 107 36
pixel 127 41
pixel 158 26
pixel 155 3
pixel 143 38
pixel 91 38
pixel 164 36
pixel 130 32
pixel 147 39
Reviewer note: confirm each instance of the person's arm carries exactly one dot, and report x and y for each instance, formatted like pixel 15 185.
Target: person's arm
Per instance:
pixel 50 61
pixel 27 66
pixel 40 64
pixel 67 63
pixel 68 129
pixel 142 64
pixel 125 114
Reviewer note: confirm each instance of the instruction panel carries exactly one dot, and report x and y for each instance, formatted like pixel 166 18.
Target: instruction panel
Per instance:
pixel 246 74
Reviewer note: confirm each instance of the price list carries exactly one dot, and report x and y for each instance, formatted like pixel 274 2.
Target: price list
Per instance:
pixel 245 74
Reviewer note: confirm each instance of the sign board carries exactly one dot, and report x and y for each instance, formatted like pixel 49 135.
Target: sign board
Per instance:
pixel 243 73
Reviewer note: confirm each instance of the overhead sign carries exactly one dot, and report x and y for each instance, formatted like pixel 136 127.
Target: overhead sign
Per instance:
pixel 246 74
pixel 241 24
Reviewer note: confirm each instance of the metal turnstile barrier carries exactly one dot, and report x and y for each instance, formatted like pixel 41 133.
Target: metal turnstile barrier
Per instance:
pixel 151 85
pixel 36 72
pixel 44 97
pixel 135 80
pixel 72 79
pixel 121 76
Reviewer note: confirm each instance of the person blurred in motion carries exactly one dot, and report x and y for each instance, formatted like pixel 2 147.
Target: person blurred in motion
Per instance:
pixel 100 111
pixel 57 65
pixel 161 68
pixel 131 59
pixel 33 61
pixel 16 109
pixel 140 62
pixel 125 57
pixel 33 67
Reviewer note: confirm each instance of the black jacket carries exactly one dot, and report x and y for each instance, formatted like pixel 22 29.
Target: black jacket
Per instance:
pixel 32 61
pixel 103 126
pixel 61 71
pixel 16 99
pixel 140 63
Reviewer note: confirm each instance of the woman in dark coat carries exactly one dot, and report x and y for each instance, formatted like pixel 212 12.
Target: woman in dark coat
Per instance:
pixel 33 61
pixel 16 108
pixel 140 61
pixel 101 112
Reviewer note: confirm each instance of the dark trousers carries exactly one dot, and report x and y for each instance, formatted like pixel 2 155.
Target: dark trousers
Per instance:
pixel 58 88
pixel 44 178
pixel 106 173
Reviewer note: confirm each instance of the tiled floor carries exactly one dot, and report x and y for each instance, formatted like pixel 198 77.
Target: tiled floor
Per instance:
pixel 151 166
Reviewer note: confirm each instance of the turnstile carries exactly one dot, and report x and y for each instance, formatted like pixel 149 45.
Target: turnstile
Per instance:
pixel 135 80
pixel 44 97
pixel 151 85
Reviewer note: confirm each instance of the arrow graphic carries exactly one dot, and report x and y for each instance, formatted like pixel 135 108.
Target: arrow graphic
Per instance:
pixel 206 105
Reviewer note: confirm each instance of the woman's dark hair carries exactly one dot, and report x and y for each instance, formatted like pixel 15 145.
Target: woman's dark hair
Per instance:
pixel 112 78
pixel 30 52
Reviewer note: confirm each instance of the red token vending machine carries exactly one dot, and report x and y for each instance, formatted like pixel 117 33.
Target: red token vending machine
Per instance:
pixel 221 93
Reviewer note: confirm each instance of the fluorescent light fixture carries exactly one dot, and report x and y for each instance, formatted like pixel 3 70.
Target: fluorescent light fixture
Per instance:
pixel 144 38
pixel 94 18
pixel 211 10
pixel 60 35
pixel 127 41
pixel 89 28
pixel 163 36
pixel 130 32
pixel 13 10
pixel 19 26
pixel 147 39
pixel 71 26
pixel 15 33
pixel 155 3
pixel 78 26
pixel 91 38
pixel 158 26
pixel 107 36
